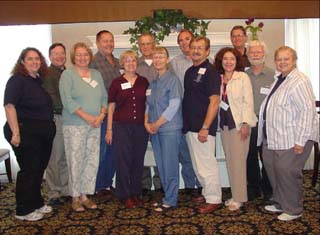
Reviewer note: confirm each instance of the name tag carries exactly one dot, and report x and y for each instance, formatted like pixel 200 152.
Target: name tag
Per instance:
pixel 148 92
pixel 149 62
pixel 264 90
pixel 93 83
pixel 125 86
pixel 121 71
pixel 202 71
pixel 224 105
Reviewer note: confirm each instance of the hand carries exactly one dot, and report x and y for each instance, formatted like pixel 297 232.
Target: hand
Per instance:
pixel 99 120
pixel 108 137
pixel 15 140
pixel 298 149
pixel 244 132
pixel 91 120
pixel 203 135
pixel 154 127
pixel 148 128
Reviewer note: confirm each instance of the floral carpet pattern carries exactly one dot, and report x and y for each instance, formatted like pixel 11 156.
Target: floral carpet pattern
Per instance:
pixel 112 218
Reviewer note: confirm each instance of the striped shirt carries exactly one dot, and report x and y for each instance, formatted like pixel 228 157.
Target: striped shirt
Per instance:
pixel 291 116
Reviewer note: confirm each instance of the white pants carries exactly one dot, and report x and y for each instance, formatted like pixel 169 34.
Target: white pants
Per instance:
pixel 205 166
pixel 82 145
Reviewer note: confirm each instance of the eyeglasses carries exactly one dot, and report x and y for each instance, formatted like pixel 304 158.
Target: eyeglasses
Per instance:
pixel 81 55
pixel 155 57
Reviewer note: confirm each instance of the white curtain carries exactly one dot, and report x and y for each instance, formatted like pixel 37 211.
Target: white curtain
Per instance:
pixel 303 36
pixel 12 41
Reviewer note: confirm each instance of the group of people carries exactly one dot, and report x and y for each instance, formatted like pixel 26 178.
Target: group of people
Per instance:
pixel 96 119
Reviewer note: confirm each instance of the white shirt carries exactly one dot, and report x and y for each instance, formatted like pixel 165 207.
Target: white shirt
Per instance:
pixel 291 116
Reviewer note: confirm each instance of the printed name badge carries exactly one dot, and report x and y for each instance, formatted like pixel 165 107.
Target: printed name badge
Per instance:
pixel 264 90
pixel 224 105
pixel 125 86
pixel 149 62
pixel 121 71
pixel 148 92
pixel 202 71
pixel 93 83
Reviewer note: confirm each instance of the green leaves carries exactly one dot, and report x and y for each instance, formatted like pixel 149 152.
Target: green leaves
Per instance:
pixel 162 23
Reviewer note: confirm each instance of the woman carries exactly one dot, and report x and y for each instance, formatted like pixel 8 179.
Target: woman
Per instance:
pixel 163 121
pixel 125 129
pixel 29 130
pixel 236 118
pixel 84 102
pixel 288 126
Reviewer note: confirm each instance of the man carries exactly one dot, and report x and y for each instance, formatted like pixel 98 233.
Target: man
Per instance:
pixel 239 38
pixel 57 170
pixel 109 67
pixel 179 64
pixel 261 78
pixel 200 107
pixel 146 43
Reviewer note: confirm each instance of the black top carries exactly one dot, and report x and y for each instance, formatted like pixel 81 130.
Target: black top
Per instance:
pixel 226 118
pixel 200 82
pixel 29 98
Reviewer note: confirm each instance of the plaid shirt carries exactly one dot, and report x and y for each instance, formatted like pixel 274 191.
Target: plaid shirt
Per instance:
pixel 108 71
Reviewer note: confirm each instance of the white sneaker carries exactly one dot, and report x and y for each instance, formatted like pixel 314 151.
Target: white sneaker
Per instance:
pixel 228 202
pixel 33 216
pixel 287 217
pixel 273 208
pixel 45 209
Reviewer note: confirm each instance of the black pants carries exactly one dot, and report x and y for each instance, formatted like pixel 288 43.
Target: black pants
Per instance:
pixel 130 144
pixel 256 181
pixel 32 155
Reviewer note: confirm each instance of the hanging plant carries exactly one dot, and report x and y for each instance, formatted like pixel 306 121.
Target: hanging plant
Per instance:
pixel 164 22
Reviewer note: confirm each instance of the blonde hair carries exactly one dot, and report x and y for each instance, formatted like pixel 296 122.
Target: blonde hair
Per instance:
pixel 286 48
pixel 80 45
pixel 160 50
pixel 128 53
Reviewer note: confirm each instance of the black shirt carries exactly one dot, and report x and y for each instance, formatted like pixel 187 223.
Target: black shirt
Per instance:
pixel 226 118
pixel 197 90
pixel 29 98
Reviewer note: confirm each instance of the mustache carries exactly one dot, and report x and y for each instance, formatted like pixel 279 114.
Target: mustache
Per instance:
pixel 197 54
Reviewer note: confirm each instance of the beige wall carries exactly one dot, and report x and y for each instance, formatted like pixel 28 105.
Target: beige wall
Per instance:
pixel 273 32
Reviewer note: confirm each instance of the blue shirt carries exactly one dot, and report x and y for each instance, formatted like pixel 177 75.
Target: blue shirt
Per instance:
pixel 165 92
pixel 29 98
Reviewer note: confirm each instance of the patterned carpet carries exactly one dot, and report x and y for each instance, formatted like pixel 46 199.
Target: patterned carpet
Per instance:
pixel 113 219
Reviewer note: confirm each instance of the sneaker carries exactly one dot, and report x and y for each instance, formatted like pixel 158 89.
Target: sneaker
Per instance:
pixel 287 217
pixel 273 208
pixel 33 216
pixel 45 209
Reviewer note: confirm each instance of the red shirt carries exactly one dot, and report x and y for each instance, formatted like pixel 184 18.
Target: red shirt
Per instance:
pixel 130 103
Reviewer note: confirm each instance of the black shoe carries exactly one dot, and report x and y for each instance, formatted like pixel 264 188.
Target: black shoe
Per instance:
pixel 160 190
pixel 146 192
pixel 253 194
pixel 55 202
pixel 189 191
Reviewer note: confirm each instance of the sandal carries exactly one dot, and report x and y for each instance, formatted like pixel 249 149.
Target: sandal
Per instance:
pixel 233 206
pixel 89 204
pixel 228 202
pixel 163 207
pixel 76 206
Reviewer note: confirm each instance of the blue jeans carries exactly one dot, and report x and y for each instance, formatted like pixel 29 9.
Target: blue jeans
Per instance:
pixel 106 169
pixel 187 172
pixel 166 150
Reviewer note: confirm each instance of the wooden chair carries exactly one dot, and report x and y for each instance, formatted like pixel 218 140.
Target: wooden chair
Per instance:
pixel 5 156
pixel 316 156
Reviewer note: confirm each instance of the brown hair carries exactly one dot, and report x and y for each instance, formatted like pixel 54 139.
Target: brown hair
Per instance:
pixel 199 38
pixel 239 27
pixel 184 31
pixel 219 58
pixel 161 50
pixel 19 67
pixel 80 45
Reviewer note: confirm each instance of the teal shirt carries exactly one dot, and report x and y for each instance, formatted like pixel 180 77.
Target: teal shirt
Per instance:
pixel 76 93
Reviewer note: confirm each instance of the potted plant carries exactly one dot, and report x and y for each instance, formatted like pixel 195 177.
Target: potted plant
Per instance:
pixel 163 22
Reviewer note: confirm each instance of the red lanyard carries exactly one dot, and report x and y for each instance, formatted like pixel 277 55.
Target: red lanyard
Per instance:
pixel 224 89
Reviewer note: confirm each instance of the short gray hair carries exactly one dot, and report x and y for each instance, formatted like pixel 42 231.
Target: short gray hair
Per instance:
pixel 258 43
